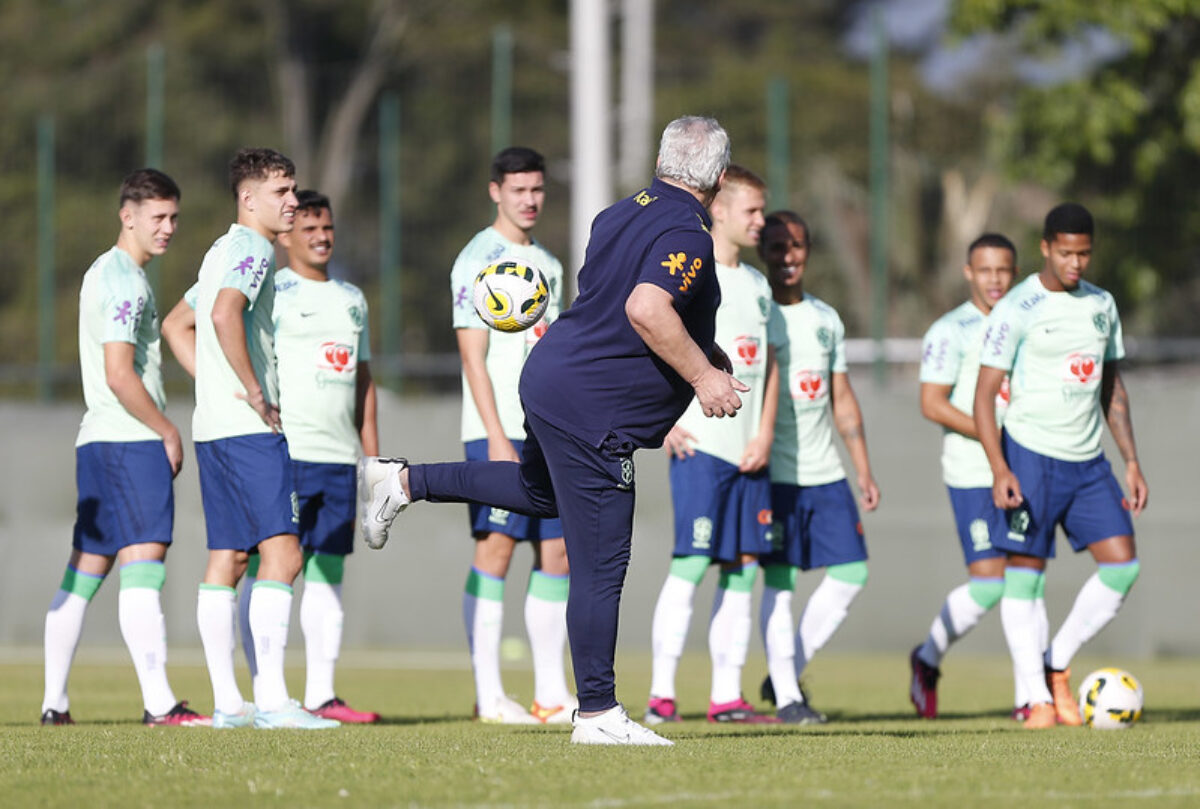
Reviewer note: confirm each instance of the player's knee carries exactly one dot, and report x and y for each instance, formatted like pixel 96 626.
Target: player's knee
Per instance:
pixel 1120 577
pixel 146 574
pixel 690 568
pixel 1023 583
pixel 780 577
pixel 986 592
pixel 850 573
pixel 81 584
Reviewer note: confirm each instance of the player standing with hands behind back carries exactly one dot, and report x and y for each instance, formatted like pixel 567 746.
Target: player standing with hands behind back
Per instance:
pixel 1059 339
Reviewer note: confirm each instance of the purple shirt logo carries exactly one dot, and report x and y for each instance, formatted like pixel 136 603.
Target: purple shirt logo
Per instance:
pixel 460 300
pixel 123 312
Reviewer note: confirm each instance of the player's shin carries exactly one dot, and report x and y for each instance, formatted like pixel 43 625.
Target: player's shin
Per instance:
pixel 1097 603
pixel 321 620
pixel 216 608
pixel 1019 616
pixel 270 614
pixel 779 639
pixel 546 624
pixel 139 611
pixel 672 616
pixel 64 625
pixel 729 631
pixel 826 609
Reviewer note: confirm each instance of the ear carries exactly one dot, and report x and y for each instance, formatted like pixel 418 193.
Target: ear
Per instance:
pixel 1045 245
pixel 494 191
pixel 126 216
pixel 968 273
pixel 246 197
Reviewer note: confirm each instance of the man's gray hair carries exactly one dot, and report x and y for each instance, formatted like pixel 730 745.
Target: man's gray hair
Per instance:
pixel 694 151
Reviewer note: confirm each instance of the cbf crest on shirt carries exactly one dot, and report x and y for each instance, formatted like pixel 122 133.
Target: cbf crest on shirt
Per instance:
pixel 1054 346
pixel 321 336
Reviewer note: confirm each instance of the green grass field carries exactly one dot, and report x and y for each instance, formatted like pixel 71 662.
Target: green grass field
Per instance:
pixel 873 752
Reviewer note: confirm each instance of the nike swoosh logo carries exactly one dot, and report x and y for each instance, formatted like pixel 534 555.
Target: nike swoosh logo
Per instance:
pixel 382 509
pixel 307 314
pixel 614 737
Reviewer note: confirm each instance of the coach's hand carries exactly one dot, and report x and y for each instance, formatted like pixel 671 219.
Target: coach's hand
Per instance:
pixel 718 391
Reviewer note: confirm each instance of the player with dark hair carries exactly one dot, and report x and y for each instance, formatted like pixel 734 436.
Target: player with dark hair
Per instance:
pixel 493 429
pixel 720 487
pixel 127 454
pixel 1059 338
pixel 246 480
pixel 949 366
pixel 613 374
pixel 816 519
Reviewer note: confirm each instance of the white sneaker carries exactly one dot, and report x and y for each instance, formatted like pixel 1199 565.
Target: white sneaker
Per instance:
pixel 380 496
pixel 243 718
pixel 507 711
pixel 614 727
pixel 555 714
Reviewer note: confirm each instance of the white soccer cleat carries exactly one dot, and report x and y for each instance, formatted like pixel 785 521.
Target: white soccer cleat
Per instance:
pixel 555 714
pixel 380 496
pixel 507 711
pixel 614 727
pixel 243 718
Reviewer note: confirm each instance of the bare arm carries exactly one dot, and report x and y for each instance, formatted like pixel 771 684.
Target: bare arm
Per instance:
pixel 935 406
pixel 758 451
pixel 847 417
pixel 364 409
pixel 1006 489
pixel 1114 398
pixel 472 348
pixel 124 382
pixel 179 330
pixel 652 314
pixel 231 335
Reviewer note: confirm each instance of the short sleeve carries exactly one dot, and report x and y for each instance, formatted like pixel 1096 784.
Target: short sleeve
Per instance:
pixel 192 295
pixel 1003 331
pixel 1114 349
pixel 124 304
pixel 248 269
pixel 776 325
pixel 364 336
pixel 941 354
pixel 678 261
pixel 837 356
pixel 462 289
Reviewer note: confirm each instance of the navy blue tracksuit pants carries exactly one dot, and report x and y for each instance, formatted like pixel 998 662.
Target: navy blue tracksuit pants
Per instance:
pixel 591 490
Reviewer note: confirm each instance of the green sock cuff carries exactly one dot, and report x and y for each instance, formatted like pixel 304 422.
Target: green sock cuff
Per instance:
pixel 1023 583
pixel 781 577
pixel 739 579
pixel 986 592
pixel 1041 587
pixel 690 568
pixel 219 588
pixel 1120 577
pixel 548 587
pixel 252 565
pixel 147 574
pixel 850 573
pixel 481 585
pixel 268 584
pixel 83 585
pixel 327 568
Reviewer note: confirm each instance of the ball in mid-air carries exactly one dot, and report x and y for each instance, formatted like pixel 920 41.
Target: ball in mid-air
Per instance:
pixel 510 295
pixel 1110 699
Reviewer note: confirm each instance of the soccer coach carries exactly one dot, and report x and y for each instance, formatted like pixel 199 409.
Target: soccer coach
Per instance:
pixel 612 374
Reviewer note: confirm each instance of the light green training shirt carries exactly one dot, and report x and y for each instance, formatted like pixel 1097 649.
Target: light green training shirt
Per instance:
pixel 813 351
pixel 950 356
pixel 1054 346
pixel 320 338
pixel 747 322
pixel 506 350
pixel 244 260
pixel 116 304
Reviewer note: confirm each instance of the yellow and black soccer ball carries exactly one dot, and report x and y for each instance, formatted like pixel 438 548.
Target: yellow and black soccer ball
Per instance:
pixel 1111 699
pixel 510 295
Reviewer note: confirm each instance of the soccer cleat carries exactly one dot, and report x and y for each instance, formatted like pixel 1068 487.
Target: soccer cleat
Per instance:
pixel 179 716
pixel 338 710
pixel 555 714
pixel 1065 706
pixel 800 713
pixel 660 710
pixel 292 717
pixel 614 727
pixel 767 690
pixel 1020 713
pixel 507 711
pixel 53 717
pixel 1041 716
pixel 243 718
pixel 380 496
pixel 923 688
pixel 739 712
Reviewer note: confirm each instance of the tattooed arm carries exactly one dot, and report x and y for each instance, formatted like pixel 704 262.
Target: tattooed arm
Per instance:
pixel 847 416
pixel 1114 398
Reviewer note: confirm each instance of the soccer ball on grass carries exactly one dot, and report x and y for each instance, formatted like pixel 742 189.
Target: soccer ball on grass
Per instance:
pixel 510 296
pixel 1110 699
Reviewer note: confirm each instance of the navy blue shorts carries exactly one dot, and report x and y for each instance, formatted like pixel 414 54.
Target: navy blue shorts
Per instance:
pixel 1081 496
pixel 719 512
pixel 815 526
pixel 247 489
pixel 978 521
pixel 125 496
pixel 486 519
pixel 327 496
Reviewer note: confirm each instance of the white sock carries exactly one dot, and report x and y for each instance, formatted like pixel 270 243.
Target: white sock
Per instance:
pixel 321 618
pixel 779 640
pixel 270 614
pixel 959 615
pixel 139 611
pixel 244 632
pixel 1094 607
pixel 216 610
pixel 546 624
pixel 1019 616
pixel 64 625
pixel 484 620
pixel 668 632
pixel 728 639
pixel 827 607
